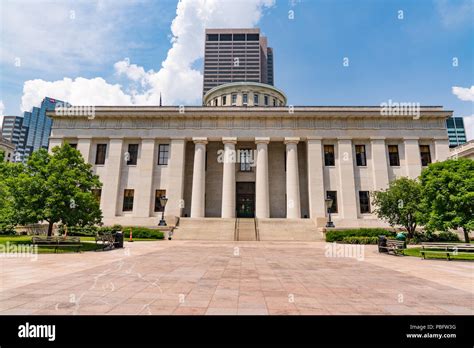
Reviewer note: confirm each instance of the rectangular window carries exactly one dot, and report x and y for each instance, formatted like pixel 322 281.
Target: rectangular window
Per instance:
pixel 361 158
pixel 274 102
pixel 97 194
pixel 329 159
pixel 245 98
pixel 255 99
pixel 245 157
pixel 425 155
pixel 224 100
pixel 332 195
pixel 128 200
pixel 364 202
pixel 132 154
pixel 74 146
pixel 158 194
pixel 163 153
pixel 265 100
pixel 100 154
pixel 234 99
pixel 393 155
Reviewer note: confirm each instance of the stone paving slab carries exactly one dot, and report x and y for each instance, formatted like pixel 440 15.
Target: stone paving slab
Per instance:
pixel 229 278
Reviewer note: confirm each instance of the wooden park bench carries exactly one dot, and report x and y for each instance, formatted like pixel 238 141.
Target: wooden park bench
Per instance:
pixel 105 240
pixel 394 246
pixel 447 249
pixel 57 241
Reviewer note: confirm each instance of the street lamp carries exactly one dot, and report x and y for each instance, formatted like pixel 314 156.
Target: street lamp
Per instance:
pixel 328 202
pixel 163 201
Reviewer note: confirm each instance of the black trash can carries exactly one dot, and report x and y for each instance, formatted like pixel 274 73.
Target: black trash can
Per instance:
pixel 118 242
pixel 382 244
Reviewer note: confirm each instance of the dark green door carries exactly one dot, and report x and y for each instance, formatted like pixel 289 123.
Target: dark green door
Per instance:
pixel 245 199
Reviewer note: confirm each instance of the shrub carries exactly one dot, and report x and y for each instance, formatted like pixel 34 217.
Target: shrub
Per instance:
pixel 143 232
pixel 337 236
pixel 80 231
pixel 420 237
pixel 360 240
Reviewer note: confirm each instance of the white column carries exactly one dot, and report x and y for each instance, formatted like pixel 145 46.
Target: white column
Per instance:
pixel 198 203
pixel 316 192
pixel 228 178
pixel 379 163
pixel 84 147
pixel 412 157
pixel 262 196
pixel 175 182
pixel 347 189
pixel 441 149
pixel 54 142
pixel 145 165
pixel 293 209
pixel 111 181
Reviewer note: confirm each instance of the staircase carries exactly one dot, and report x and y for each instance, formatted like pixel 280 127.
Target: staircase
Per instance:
pixel 246 229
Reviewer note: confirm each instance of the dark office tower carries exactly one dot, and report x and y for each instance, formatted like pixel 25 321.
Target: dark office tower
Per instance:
pixel 30 132
pixel 456 131
pixel 236 55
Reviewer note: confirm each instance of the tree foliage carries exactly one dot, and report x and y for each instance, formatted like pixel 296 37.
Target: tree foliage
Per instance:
pixel 55 187
pixel 448 195
pixel 400 204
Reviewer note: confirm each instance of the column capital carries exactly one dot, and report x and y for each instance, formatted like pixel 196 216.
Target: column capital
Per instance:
pixel 262 140
pixel 291 140
pixel 229 140
pixel 200 140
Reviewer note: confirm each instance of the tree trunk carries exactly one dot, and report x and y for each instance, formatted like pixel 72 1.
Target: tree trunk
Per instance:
pixel 50 229
pixel 466 235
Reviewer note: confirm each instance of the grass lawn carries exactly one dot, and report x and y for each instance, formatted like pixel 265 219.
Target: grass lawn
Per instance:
pixel 87 244
pixel 460 256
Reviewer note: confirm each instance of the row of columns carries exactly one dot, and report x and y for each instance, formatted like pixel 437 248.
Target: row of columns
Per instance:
pixel 315 166
pixel 262 194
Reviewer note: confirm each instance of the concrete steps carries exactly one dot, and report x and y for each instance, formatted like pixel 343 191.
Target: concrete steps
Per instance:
pixel 205 229
pixel 242 229
pixel 245 229
pixel 289 229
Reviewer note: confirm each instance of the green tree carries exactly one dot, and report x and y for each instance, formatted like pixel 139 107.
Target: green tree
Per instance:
pixel 7 213
pixel 400 204
pixel 448 195
pixel 55 188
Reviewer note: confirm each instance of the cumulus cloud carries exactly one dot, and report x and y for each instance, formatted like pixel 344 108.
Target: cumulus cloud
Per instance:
pixel 2 110
pixel 177 79
pixel 466 94
pixel 469 126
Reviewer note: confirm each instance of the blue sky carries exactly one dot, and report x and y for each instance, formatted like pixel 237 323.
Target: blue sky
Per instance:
pixel 409 59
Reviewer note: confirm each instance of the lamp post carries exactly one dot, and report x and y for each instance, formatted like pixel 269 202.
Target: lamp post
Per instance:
pixel 163 201
pixel 328 202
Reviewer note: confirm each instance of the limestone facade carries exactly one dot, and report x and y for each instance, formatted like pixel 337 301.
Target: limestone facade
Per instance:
pixel 289 174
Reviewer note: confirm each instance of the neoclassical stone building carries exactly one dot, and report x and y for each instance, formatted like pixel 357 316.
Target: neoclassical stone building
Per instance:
pixel 247 154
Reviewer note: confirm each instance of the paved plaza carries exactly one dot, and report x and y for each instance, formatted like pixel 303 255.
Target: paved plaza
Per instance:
pixel 199 277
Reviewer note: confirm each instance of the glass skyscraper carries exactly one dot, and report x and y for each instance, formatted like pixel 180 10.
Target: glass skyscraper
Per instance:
pixel 30 132
pixel 456 131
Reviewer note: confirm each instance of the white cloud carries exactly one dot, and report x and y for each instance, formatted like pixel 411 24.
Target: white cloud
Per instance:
pixel 177 80
pixel 454 14
pixel 469 126
pixel 79 91
pixel 45 36
pixel 2 110
pixel 466 94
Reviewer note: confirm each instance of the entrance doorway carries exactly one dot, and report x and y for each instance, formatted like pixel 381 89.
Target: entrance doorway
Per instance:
pixel 245 197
